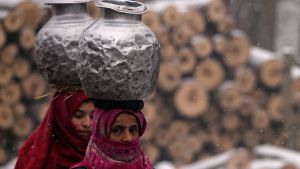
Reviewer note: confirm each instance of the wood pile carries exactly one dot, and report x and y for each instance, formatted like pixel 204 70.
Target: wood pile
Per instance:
pixel 212 94
pixel 20 83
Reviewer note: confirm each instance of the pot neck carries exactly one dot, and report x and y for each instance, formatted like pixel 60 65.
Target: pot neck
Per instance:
pixel 109 14
pixel 69 9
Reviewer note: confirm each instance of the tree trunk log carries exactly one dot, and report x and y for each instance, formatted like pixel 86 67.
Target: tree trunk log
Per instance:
pixel 27 38
pixel 169 77
pixel 23 127
pixel 33 86
pixel 202 46
pixel 216 11
pixel 168 53
pixel 268 67
pixel 195 20
pixel 13 22
pixel 2 36
pixel 275 108
pixel 229 96
pixel 9 53
pixel 6 117
pixel 6 75
pixel 11 93
pixel 21 68
pixel 245 79
pixel 187 60
pixel 191 99
pixel 171 17
pixel 30 13
pixel 237 53
pixel 210 73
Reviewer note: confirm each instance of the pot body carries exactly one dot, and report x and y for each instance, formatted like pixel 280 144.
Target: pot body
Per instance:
pixel 119 58
pixel 57 43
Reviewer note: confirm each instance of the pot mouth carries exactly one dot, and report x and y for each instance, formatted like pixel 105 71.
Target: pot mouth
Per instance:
pixel 50 2
pixel 123 6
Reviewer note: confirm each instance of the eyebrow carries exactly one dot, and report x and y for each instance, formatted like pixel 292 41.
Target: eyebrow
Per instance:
pixel 119 125
pixel 82 111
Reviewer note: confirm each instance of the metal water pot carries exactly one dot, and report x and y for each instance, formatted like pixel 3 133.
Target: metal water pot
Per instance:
pixel 57 43
pixel 119 55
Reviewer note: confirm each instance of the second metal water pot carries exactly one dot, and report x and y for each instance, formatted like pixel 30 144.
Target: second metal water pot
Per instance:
pixel 119 55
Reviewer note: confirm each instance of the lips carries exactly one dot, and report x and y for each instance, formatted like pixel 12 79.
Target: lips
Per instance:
pixel 85 133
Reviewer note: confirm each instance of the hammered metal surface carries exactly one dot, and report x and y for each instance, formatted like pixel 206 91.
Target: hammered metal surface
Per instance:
pixel 119 60
pixel 57 48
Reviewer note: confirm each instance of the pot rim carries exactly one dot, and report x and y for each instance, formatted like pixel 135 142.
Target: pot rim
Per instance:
pixel 123 6
pixel 50 2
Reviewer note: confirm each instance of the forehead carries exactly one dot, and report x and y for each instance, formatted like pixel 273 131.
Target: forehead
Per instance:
pixel 125 119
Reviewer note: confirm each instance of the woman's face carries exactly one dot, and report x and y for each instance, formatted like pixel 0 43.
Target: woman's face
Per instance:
pixel 82 119
pixel 124 129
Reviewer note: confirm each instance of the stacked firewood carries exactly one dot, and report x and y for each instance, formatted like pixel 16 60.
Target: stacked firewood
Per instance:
pixel 20 83
pixel 212 95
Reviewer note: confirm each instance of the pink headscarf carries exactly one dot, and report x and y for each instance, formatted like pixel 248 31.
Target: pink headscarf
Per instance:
pixel 103 153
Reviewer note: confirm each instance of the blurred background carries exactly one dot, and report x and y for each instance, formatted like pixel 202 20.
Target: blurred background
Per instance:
pixel 228 93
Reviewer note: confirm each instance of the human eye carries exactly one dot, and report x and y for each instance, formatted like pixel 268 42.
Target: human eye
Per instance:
pixel 134 130
pixel 78 114
pixel 116 130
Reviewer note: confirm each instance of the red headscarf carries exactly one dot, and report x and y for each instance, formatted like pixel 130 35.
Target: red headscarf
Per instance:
pixel 103 153
pixel 56 144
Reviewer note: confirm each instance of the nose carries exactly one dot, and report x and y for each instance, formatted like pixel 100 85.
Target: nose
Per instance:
pixel 127 136
pixel 87 122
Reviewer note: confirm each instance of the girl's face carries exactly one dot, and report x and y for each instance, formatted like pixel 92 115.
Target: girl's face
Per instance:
pixel 82 119
pixel 124 129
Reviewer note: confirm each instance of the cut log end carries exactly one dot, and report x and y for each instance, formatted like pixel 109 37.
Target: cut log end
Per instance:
pixel 34 86
pixel 271 73
pixel 30 13
pixel 245 79
pixel 202 46
pixel 210 73
pixel 191 99
pixel 11 93
pixel 260 119
pixel 195 20
pixel 171 17
pixel 6 117
pixel 275 107
pixel 152 151
pixel 2 37
pixel 169 77
pixel 6 75
pixel 216 11
pixel 9 54
pixel 23 127
pixel 229 96
pixel 13 22
pixel 168 53
pixel 27 38
pixel 21 68
pixel 238 50
pixel 187 60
